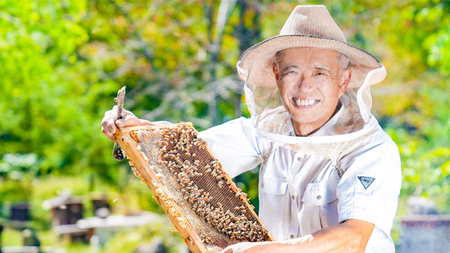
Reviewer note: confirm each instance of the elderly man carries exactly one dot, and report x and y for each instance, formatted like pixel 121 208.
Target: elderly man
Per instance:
pixel 329 175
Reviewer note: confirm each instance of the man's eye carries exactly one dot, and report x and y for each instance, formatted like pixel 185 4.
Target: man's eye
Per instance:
pixel 288 72
pixel 319 74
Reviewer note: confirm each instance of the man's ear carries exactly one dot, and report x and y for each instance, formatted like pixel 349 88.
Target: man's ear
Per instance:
pixel 345 80
pixel 275 72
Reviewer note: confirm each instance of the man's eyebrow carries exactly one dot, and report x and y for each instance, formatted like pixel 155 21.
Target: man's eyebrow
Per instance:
pixel 322 68
pixel 289 67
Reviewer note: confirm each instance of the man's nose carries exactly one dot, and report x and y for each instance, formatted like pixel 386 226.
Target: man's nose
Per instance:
pixel 305 84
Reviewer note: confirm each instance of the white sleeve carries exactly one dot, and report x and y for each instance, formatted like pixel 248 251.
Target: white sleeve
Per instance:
pixel 234 144
pixel 370 186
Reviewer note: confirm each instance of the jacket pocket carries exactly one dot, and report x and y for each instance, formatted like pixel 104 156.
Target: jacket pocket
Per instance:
pixel 274 204
pixel 274 185
pixel 321 201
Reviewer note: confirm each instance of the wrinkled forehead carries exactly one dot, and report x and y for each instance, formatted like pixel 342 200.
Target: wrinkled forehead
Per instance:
pixel 307 56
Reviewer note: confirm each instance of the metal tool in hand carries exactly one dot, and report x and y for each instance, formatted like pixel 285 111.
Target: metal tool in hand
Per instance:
pixel 117 152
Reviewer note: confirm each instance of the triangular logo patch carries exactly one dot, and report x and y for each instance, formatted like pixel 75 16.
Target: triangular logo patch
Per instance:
pixel 366 181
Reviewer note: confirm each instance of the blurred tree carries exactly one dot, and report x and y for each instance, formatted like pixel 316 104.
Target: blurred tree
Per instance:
pixel 63 61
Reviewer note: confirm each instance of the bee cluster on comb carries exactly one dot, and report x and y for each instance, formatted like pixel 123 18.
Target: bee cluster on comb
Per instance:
pixel 179 149
pixel 192 187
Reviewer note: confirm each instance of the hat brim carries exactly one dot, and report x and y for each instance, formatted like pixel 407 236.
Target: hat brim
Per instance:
pixel 256 63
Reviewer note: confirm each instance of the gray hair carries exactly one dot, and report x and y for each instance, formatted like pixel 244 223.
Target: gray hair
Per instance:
pixel 344 62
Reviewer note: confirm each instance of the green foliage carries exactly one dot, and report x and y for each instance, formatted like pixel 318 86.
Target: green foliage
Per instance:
pixel 16 175
pixel 424 165
pixel 415 108
pixel 49 108
pixel 11 238
pixel 129 241
pixel 248 182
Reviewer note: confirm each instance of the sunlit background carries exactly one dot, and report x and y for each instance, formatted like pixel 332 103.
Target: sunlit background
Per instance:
pixel 62 63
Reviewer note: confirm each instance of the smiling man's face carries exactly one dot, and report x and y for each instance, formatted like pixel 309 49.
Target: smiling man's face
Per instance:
pixel 310 85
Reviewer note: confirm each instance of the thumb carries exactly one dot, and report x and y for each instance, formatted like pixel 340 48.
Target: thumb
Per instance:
pixel 119 123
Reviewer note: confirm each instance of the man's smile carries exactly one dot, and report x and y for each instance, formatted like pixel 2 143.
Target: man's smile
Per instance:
pixel 305 102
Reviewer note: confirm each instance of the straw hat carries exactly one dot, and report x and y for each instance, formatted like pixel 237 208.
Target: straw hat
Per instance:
pixel 307 26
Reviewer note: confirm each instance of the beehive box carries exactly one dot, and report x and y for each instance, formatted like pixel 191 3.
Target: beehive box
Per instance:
pixel 206 207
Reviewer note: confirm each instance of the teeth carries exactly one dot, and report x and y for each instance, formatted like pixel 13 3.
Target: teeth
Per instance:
pixel 305 102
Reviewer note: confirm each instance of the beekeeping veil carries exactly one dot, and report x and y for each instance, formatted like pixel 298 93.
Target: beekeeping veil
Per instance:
pixel 310 26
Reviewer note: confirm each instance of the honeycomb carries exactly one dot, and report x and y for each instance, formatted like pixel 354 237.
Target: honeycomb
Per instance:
pixel 205 205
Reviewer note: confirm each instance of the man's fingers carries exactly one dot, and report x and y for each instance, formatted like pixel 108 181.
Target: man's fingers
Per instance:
pixel 108 134
pixel 128 120
pixel 228 249
pixel 108 126
pixel 112 128
pixel 110 122
pixel 125 122
pixel 120 123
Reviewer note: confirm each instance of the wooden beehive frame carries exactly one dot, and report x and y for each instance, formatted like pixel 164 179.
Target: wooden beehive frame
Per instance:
pixel 143 170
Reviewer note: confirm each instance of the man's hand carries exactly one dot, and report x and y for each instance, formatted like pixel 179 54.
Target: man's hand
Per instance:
pixel 348 236
pixel 248 247
pixel 128 119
